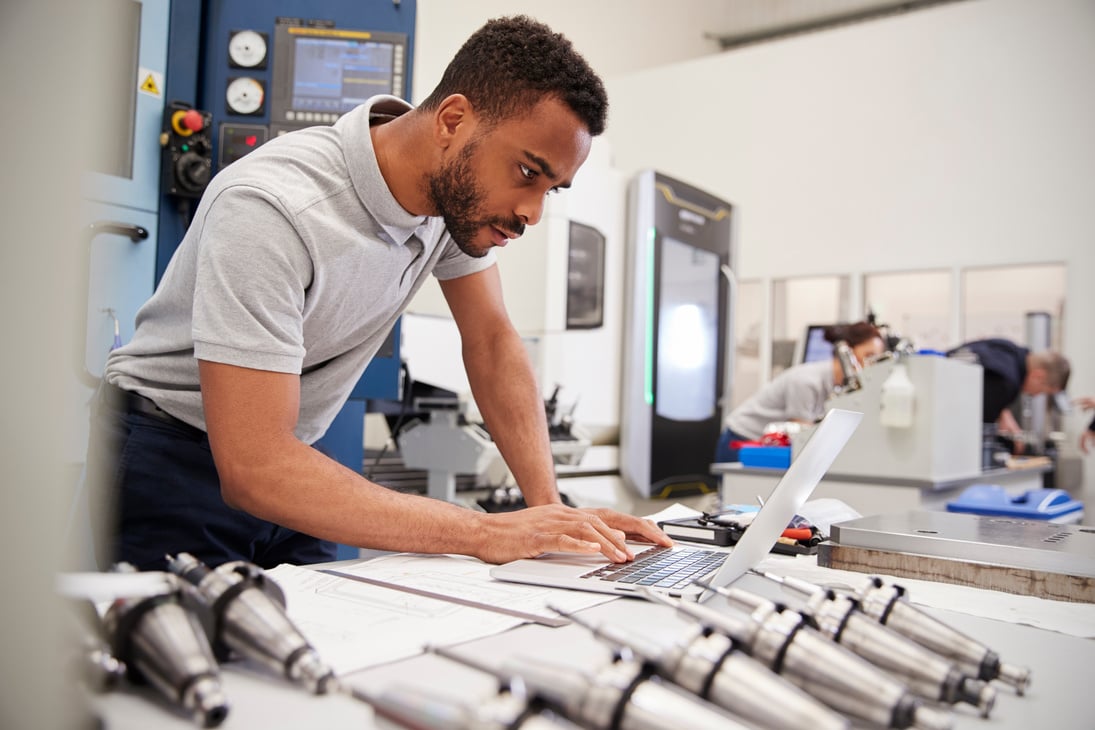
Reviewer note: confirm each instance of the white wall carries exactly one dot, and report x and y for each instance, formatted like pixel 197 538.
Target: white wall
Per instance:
pixel 615 36
pixel 956 135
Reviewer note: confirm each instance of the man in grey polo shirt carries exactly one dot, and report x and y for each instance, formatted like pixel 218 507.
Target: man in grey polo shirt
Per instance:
pixel 300 258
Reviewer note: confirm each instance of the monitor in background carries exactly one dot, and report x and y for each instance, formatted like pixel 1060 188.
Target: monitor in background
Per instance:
pixel 322 73
pixel 816 347
pixel 337 74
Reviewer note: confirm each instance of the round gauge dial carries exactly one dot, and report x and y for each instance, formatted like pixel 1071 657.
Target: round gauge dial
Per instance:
pixel 244 95
pixel 247 49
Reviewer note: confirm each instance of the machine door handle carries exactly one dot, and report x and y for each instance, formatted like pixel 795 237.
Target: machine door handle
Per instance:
pixel 134 233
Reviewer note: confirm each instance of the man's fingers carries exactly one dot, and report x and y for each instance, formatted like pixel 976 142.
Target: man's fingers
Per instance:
pixel 636 527
pixel 568 544
pixel 563 542
pixel 649 531
pixel 613 542
pixel 617 540
pixel 557 528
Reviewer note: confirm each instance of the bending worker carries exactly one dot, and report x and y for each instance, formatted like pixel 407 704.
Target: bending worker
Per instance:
pixel 1009 371
pixel 798 393
pixel 300 258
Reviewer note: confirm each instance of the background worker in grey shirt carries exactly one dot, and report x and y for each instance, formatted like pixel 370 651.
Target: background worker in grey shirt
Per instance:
pixel 300 258
pixel 798 393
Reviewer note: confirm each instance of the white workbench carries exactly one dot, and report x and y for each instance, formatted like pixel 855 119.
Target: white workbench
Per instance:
pixel 1060 695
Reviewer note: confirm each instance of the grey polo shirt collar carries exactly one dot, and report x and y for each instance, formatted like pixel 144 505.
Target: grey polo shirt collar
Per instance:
pixel 365 175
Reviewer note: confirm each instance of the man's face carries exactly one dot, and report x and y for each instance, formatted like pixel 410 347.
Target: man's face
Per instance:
pixel 1037 383
pixel 494 185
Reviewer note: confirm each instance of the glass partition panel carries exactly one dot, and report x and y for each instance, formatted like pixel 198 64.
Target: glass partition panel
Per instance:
pixel 797 304
pixel 996 300
pixel 913 304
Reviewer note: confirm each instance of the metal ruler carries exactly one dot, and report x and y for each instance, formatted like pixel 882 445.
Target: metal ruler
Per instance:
pixel 532 617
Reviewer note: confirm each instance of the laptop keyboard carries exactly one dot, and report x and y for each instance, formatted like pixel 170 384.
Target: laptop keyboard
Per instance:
pixel 662 567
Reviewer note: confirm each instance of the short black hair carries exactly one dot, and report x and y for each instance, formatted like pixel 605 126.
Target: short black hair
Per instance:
pixel 511 63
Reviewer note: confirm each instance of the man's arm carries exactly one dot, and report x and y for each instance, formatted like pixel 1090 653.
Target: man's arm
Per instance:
pixel 505 390
pixel 503 383
pixel 1007 425
pixel 266 471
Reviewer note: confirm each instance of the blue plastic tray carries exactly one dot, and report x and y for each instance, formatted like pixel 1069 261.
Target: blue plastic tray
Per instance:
pixel 778 457
pixel 1036 504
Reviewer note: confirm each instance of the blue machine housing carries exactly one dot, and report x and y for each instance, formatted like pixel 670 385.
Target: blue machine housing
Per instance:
pixel 200 79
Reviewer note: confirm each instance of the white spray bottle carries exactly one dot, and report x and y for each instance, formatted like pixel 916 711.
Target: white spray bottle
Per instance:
pixel 898 398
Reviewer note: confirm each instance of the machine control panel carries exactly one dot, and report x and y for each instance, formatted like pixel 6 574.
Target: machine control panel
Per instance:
pixel 245 96
pixel 187 150
pixel 236 140
pixel 247 49
pixel 320 73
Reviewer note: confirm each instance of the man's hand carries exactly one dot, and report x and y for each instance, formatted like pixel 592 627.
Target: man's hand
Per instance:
pixel 1006 425
pixel 557 528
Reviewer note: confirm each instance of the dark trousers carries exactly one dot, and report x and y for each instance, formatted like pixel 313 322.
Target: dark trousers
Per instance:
pixel 153 491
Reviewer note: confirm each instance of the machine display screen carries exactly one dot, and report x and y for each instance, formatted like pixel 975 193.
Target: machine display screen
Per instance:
pixel 322 73
pixel 688 327
pixel 337 74
pixel 817 347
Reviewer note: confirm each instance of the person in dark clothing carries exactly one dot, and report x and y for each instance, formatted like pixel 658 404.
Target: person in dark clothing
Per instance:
pixel 1011 370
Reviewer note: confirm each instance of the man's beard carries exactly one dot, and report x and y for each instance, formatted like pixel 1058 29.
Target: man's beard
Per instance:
pixel 458 199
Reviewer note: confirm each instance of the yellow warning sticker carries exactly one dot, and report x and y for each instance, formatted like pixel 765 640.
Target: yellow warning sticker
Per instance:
pixel 150 82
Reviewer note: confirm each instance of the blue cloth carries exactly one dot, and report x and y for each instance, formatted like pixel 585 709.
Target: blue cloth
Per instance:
pixel 154 491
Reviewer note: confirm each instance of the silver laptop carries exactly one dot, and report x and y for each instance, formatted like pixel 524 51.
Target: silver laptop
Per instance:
pixel 673 570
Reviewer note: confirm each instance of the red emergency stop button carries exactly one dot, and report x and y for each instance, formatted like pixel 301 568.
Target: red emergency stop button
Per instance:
pixel 193 120
pixel 185 123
